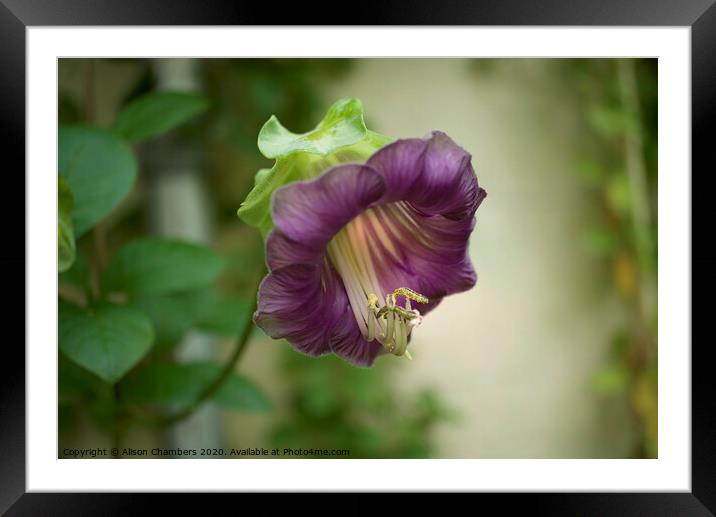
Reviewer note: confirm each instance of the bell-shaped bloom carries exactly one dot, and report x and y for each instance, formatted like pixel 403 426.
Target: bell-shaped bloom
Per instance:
pixel 359 252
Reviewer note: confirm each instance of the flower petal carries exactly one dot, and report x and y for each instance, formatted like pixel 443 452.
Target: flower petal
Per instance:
pixel 303 299
pixel 401 166
pixel 312 212
pixel 427 253
pixel 282 251
pixel 349 344
pixel 302 303
pixel 433 174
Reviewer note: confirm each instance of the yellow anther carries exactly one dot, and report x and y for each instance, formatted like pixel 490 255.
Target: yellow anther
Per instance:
pixel 399 321
pixel 410 295
pixel 373 301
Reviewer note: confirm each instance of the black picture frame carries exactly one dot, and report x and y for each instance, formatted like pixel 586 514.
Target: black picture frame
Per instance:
pixel 17 15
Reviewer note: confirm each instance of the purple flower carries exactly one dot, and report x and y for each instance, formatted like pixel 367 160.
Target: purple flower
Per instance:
pixel 359 254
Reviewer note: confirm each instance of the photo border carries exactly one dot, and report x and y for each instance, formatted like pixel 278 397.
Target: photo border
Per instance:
pixel 702 20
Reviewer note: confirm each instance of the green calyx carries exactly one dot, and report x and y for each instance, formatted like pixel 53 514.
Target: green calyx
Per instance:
pixel 340 137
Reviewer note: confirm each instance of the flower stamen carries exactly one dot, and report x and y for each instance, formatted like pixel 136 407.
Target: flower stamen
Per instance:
pixel 399 321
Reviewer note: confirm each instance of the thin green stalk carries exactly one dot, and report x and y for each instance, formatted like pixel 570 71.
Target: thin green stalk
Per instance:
pixel 219 380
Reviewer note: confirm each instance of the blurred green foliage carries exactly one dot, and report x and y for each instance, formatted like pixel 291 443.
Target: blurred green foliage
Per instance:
pixel 118 305
pixel 168 384
pixel 66 250
pixel 337 406
pixel 620 171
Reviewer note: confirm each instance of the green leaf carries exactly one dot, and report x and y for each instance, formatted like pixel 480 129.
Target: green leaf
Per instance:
pixel 158 112
pixel 159 266
pixel 100 170
pixel 106 339
pixel 226 315
pixel 65 233
pixel 77 384
pixel 340 137
pixel 181 385
pixel 173 314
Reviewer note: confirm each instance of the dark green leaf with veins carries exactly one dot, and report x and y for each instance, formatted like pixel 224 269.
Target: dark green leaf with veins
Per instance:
pixel 226 315
pixel 161 266
pixel 100 170
pixel 156 113
pixel 106 339
pixel 173 314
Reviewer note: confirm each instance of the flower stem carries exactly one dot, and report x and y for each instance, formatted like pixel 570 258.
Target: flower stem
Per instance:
pixel 217 383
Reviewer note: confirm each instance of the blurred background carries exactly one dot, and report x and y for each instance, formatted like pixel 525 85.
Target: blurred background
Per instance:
pixel 551 355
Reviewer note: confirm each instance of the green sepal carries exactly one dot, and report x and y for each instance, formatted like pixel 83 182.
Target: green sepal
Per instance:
pixel 340 137
pixel 343 125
